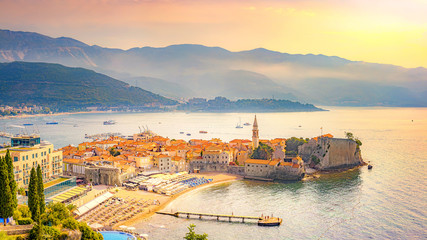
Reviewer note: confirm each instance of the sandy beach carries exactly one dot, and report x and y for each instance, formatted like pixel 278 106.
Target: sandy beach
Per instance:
pixel 217 178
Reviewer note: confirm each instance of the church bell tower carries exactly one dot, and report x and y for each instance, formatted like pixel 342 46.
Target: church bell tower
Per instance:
pixel 255 134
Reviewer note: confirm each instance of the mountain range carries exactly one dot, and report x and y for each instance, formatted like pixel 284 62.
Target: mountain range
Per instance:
pixel 184 71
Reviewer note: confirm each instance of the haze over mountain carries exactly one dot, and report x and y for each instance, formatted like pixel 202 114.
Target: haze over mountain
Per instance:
pixel 200 71
pixel 65 88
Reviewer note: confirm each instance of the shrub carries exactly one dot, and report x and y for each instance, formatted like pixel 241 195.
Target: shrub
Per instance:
pixel 52 232
pixel 63 236
pixel 25 211
pixel 24 221
pixel 55 213
pixel 36 232
pixel 315 159
pixel 17 214
pixel 88 233
pixel 70 223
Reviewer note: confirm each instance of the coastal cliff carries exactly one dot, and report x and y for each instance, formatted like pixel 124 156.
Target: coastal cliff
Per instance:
pixel 326 153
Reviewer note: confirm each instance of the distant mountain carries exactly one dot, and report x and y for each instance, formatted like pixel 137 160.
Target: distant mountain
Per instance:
pixel 65 88
pixel 199 71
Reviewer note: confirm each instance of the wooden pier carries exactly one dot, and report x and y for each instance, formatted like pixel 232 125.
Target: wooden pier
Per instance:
pixel 217 216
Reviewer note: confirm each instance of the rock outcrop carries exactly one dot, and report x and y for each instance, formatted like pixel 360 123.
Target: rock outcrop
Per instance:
pixel 331 153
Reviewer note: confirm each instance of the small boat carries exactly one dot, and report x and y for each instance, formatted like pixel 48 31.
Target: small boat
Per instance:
pixel 109 122
pixel 181 132
pixel 52 123
pixel 75 125
pixel 247 124
pixel 369 166
pixel 270 221
pixel 239 125
pixel 188 134
pixel 27 124
pixel 299 126
pixel 203 132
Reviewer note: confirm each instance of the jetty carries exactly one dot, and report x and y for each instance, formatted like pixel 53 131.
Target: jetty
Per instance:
pixel 211 215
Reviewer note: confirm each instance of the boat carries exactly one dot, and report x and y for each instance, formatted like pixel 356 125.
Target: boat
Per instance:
pixel 181 132
pixel 239 125
pixel 188 134
pixel 109 122
pixel 369 166
pixel 27 124
pixel 270 221
pixel 203 132
pixel 247 124
pixel 52 123
pixel 75 125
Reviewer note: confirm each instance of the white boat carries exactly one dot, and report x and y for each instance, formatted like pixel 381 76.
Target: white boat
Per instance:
pixel 239 125
pixel 109 122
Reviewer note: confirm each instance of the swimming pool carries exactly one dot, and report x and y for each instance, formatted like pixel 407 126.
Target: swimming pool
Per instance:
pixel 113 235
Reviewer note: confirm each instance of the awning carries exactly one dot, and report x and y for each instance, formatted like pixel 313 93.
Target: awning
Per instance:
pixel 95 202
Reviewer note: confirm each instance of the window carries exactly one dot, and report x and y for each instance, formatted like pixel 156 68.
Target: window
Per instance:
pixel 26 157
pixel 33 155
pixel 23 158
pixel 15 159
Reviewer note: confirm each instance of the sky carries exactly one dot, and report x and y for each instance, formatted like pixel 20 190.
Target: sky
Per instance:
pixel 380 31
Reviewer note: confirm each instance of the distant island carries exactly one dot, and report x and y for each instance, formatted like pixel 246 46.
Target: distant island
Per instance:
pixel 222 104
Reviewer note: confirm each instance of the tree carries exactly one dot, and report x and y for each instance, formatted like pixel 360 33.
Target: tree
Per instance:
pixel 263 151
pixel 40 189
pixel 350 136
pixel 191 235
pixel 12 182
pixel 292 145
pixel 6 209
pixel 33 197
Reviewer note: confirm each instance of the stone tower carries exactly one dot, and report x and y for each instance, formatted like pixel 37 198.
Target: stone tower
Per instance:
pixel 255 134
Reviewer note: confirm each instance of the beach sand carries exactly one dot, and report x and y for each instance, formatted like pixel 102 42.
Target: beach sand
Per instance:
pixel 165 200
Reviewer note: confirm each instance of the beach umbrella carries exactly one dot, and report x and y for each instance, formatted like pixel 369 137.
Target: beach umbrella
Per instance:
pixel 123 227
pixel 131 228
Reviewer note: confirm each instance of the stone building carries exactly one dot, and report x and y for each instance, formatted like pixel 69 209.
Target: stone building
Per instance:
pixel 331 153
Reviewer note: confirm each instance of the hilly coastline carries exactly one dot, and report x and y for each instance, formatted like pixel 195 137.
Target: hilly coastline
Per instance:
pixel 63 88
pixel 183 71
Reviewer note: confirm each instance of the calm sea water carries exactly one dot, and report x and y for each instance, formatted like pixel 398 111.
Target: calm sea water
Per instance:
pixel 387 202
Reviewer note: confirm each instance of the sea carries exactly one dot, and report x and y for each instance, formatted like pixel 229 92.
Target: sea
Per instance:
pixel 386 202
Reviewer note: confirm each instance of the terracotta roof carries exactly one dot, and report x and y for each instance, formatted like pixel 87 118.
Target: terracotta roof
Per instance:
pixel 257 161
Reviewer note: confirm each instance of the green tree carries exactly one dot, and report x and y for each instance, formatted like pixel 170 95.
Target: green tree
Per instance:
pixel 263 151
pixel 292 145
pixel 40 189
pixel 350 136
pixel 6 205
pixel 33 197
pixel 12 182
pixel 191 235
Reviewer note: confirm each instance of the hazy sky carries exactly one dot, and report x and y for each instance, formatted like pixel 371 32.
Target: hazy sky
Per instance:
pixel 382 31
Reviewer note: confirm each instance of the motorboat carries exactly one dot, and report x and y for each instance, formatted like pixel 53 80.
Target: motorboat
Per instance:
pixel 109 122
